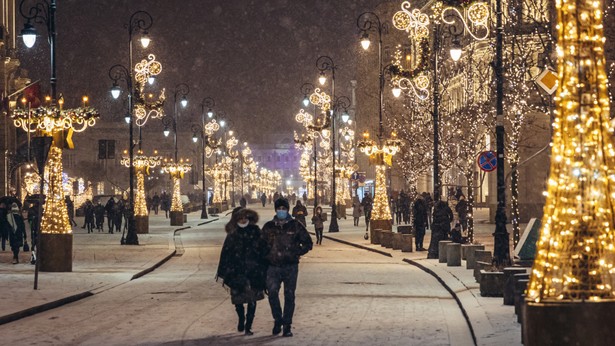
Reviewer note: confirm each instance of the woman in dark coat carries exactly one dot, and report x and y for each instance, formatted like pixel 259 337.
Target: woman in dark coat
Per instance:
pixel 318 220
pixel 17 230
pixel 300 212
pixel 440 228
pixel 242 266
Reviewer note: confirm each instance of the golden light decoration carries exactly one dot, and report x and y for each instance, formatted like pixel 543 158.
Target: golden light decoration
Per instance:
pixel 475 20
pixel 576 252
pixel 52 118
pixel 211 127
pixel 304 117
pixel 142 164
pixel 147 68
pixel 55 217
pixel 176 170
pixel 321 99
pixel 370 148
pixel 381 210
pixel 145 109
pixel 413 21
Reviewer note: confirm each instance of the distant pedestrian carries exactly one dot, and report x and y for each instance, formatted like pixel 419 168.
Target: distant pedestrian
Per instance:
pixel 300 212
pixel 356 210
pixel 263 199
pixel 367 207
pixel 109 208
pixel 70 206
pixel 420 222
pixel 4 225
pixel 88 211
pixel 99 215
pixel 17 230
pixel 243 202
pixel 318 222
pixel 462 212
pixel 442 217
pixel 165 204
pixel 118 214
pixel 156 203
pixel 305 197
pixel 288 240
pixel 243 267
pixel 430 203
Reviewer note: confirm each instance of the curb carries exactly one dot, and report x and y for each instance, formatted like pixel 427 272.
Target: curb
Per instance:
pixel 45 307
pixel 384 253
pixel 71 299
pixel 208 221
pixel 450 291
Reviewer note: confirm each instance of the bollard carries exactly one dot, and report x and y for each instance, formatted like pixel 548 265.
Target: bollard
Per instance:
pixel 521 281
pixel 397 240
pixel 442 250
pixel 386 239
pixel 406 242
pixel 509 283
pixel 471 254
pixel 453 255
pixel 377 238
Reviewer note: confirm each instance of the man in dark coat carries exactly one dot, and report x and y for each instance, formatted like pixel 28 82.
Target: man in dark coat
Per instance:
pixel 420 221
pixel 99 214
pixel 156 202
pixel 367 203
pixel 109 208
pixel 4 225
pixel 264 199
pixel 442 217
pixel 288 240
pixel 300 212
pixel 17 230
pixel 462 212
pixel 89 215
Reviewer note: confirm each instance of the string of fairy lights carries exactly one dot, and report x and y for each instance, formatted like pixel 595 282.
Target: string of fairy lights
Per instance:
pixel 575 251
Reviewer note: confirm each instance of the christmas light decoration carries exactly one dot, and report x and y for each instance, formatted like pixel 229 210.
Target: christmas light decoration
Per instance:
pixel 176 170
pixel 143 164
pixel 576 251
pixel 381 210
pixel 55 215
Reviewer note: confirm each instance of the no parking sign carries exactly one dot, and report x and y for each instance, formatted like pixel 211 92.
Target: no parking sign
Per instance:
pixel 487 161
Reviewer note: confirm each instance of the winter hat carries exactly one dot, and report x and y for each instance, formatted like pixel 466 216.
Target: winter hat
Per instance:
pixel 281 202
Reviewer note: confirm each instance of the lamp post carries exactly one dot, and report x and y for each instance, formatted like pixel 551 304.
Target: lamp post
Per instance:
pixel 325 63
pixel 176 214
pixel 306 90
pixel 139 22
pixel 208 103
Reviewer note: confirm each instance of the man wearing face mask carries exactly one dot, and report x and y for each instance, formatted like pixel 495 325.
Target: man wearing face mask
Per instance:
pixel 288 240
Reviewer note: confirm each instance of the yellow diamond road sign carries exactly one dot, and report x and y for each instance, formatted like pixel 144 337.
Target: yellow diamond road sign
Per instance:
pixel 547 80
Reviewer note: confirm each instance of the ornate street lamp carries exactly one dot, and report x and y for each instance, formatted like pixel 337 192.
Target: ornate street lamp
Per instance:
pixel 206 130
pixel 325 63
pixel 54 243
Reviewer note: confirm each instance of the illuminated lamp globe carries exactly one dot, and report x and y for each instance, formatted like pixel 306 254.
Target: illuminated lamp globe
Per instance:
pixel 306 101
pixel 145 40
pixel 365 42
pixel 127 118
pixel 194 138
pixel 322 79
pixel 456 51
pixel 222 123
pixel 210 113
pixel 166 132
pixel 28 35
pixel 184 102
pixel 116 91
pixel 345 117
pixel 151 80
pixel 396 91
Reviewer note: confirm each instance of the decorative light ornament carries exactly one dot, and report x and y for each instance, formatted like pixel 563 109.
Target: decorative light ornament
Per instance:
pixel 415 23
pixel 476 20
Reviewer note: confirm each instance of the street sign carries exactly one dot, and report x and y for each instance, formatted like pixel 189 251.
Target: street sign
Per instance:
pixel 547 80
pixel 487 161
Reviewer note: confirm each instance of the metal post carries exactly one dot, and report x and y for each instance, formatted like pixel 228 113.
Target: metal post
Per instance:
pixel 436 115
pixel 501 250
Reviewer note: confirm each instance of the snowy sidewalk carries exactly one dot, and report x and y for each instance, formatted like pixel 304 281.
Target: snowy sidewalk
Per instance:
pixel 493 322
pixel 99 263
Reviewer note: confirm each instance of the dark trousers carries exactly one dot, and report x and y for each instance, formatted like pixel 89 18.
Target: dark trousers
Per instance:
pixel 286 274
pixel 319 235
pixel 110 223
pixel 420 235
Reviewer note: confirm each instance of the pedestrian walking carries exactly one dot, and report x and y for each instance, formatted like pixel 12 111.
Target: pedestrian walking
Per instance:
pixel 17 230
pixel 430 203
pixel 441 227
pixel 318 222
pixel 70 206
pixel 420 221
pixel 156 202
pixel 243 202
pixel 462 212
pixel 88 210
pixel 288 240
pixel 242 266
pixel 305 197
pixel 4 225
pixel 300 212
pixel 367 203
pixel 110 208
pixel 356 210
pixel 264 199
pixel 165 204
pixel 99 215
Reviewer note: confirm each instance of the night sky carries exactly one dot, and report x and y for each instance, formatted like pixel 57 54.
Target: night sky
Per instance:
pixel 251 56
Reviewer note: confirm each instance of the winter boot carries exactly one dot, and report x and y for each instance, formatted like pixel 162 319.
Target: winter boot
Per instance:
pixel 277 328
pixel 250 317
pixel 287 331
pixel 242 317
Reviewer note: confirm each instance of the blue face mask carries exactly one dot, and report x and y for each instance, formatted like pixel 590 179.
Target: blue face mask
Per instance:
pixel 281 214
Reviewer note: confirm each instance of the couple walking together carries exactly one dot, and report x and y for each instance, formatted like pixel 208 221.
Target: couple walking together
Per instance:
pixel 254 261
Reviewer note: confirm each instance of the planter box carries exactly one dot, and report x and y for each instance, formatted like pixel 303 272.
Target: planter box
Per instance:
pixel 491 284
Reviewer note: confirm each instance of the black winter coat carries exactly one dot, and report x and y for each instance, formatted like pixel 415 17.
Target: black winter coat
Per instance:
pixel 420 211
pixel 242 260
pixel 287 239
pixel 299 213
